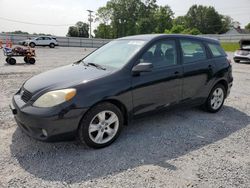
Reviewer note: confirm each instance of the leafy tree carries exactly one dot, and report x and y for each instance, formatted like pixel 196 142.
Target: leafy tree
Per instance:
pixel 180 20
pixel 81 29
pixel 132 17
pixel 104 31
pixel 192 31
pixel 17 32
pixel 227 22
pixel 164 18
pixel 205 19
pixel 180 29
pixel 146 22
pixel 73 32
pixel 247 26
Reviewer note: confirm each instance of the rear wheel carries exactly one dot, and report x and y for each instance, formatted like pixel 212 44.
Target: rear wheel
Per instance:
pixel 32 60
pixel 12 61
pixel 101 125
pixel 216 99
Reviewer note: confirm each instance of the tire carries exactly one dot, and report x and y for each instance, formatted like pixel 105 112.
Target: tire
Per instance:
pixel 237 61
pixel 98 119
pixel 32 45
pixel 12 61
pixel 26 59
pixel 215 99
pixel 32 60
pixel 7 60
pixel 52 45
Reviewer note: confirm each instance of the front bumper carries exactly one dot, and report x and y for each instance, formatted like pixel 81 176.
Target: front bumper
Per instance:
pixel 59 123
pixel 241 58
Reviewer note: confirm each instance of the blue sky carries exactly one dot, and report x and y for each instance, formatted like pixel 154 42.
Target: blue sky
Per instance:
pixel 66 12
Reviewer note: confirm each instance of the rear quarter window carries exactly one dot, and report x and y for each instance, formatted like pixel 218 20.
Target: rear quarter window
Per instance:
pixel 216 50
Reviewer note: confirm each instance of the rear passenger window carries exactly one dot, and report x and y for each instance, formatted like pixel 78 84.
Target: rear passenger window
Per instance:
pixel 216 50
pixel 192 51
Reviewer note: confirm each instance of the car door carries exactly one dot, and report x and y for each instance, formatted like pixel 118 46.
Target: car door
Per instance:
pixel 161 86
pixel 47 40
pixel 39 41
pixel 197 69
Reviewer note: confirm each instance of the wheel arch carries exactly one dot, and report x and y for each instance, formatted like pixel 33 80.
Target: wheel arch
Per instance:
pixel 115 102
pixel 222 82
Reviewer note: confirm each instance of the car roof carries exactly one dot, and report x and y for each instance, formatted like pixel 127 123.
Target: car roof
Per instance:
pixel 149 37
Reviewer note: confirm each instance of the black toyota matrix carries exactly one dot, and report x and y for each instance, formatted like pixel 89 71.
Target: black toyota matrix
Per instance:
pixel 129 77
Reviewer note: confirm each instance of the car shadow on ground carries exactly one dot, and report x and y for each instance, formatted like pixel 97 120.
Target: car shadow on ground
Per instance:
pixel 152 140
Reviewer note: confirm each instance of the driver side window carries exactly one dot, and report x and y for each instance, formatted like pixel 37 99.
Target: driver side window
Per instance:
pixel 161 54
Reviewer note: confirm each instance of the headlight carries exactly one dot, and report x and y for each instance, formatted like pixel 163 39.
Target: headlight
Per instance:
pixel 54 98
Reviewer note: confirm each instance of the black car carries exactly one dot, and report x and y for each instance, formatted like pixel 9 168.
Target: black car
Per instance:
pixel 243 54
pixel 125 79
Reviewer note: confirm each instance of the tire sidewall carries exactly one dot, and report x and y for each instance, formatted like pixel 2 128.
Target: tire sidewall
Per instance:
pixel 208 103
pixel 52 45
pixel 12 61
pixel 32 61
pixel 83 130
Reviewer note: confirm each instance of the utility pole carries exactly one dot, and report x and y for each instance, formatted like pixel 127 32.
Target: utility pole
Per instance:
pixel 90 22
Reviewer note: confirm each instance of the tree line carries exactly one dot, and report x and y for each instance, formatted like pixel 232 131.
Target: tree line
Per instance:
pixel 120 18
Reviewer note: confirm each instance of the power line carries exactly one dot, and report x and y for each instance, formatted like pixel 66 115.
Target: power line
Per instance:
pixel 32 23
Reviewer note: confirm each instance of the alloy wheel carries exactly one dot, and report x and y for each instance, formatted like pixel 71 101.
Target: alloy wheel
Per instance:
pixel 103 127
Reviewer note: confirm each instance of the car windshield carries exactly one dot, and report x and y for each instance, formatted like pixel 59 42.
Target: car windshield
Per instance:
pixel 116 53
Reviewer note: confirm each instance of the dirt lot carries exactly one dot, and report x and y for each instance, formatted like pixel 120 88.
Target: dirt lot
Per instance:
pixel 181 148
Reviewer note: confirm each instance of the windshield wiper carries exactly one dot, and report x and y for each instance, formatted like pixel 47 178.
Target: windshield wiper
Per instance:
pixel 97 66
pixel 88 64
pixel 81 61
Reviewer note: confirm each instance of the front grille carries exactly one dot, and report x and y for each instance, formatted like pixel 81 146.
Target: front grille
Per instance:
pixel 25 95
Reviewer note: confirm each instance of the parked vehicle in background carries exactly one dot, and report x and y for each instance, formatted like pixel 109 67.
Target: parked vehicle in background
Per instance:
pixel 243 54
pixel 125 79
pixel 22 42
pixel 42 41
pixel 28 54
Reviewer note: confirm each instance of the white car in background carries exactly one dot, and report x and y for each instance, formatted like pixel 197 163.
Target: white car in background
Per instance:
pixel 42 41
pixel 243 54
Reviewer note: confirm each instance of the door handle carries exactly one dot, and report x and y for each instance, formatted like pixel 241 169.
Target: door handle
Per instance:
pixel 210 66
pixel 176 72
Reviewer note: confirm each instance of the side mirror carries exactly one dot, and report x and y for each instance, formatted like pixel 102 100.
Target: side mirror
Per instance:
pixel 142 67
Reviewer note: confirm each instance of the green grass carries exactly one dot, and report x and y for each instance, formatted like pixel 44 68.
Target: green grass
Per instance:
pixel 230 46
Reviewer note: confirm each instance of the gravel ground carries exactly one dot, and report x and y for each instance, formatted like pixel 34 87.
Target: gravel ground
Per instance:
pixel 180 148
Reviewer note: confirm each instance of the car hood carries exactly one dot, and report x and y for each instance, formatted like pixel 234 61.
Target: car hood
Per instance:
pixel 63 77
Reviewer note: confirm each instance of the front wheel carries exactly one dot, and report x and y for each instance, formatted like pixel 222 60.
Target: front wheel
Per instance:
pixel 12 61
pixel 101 125
pixel 216 99
pixel 32 45
pixel 52 45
